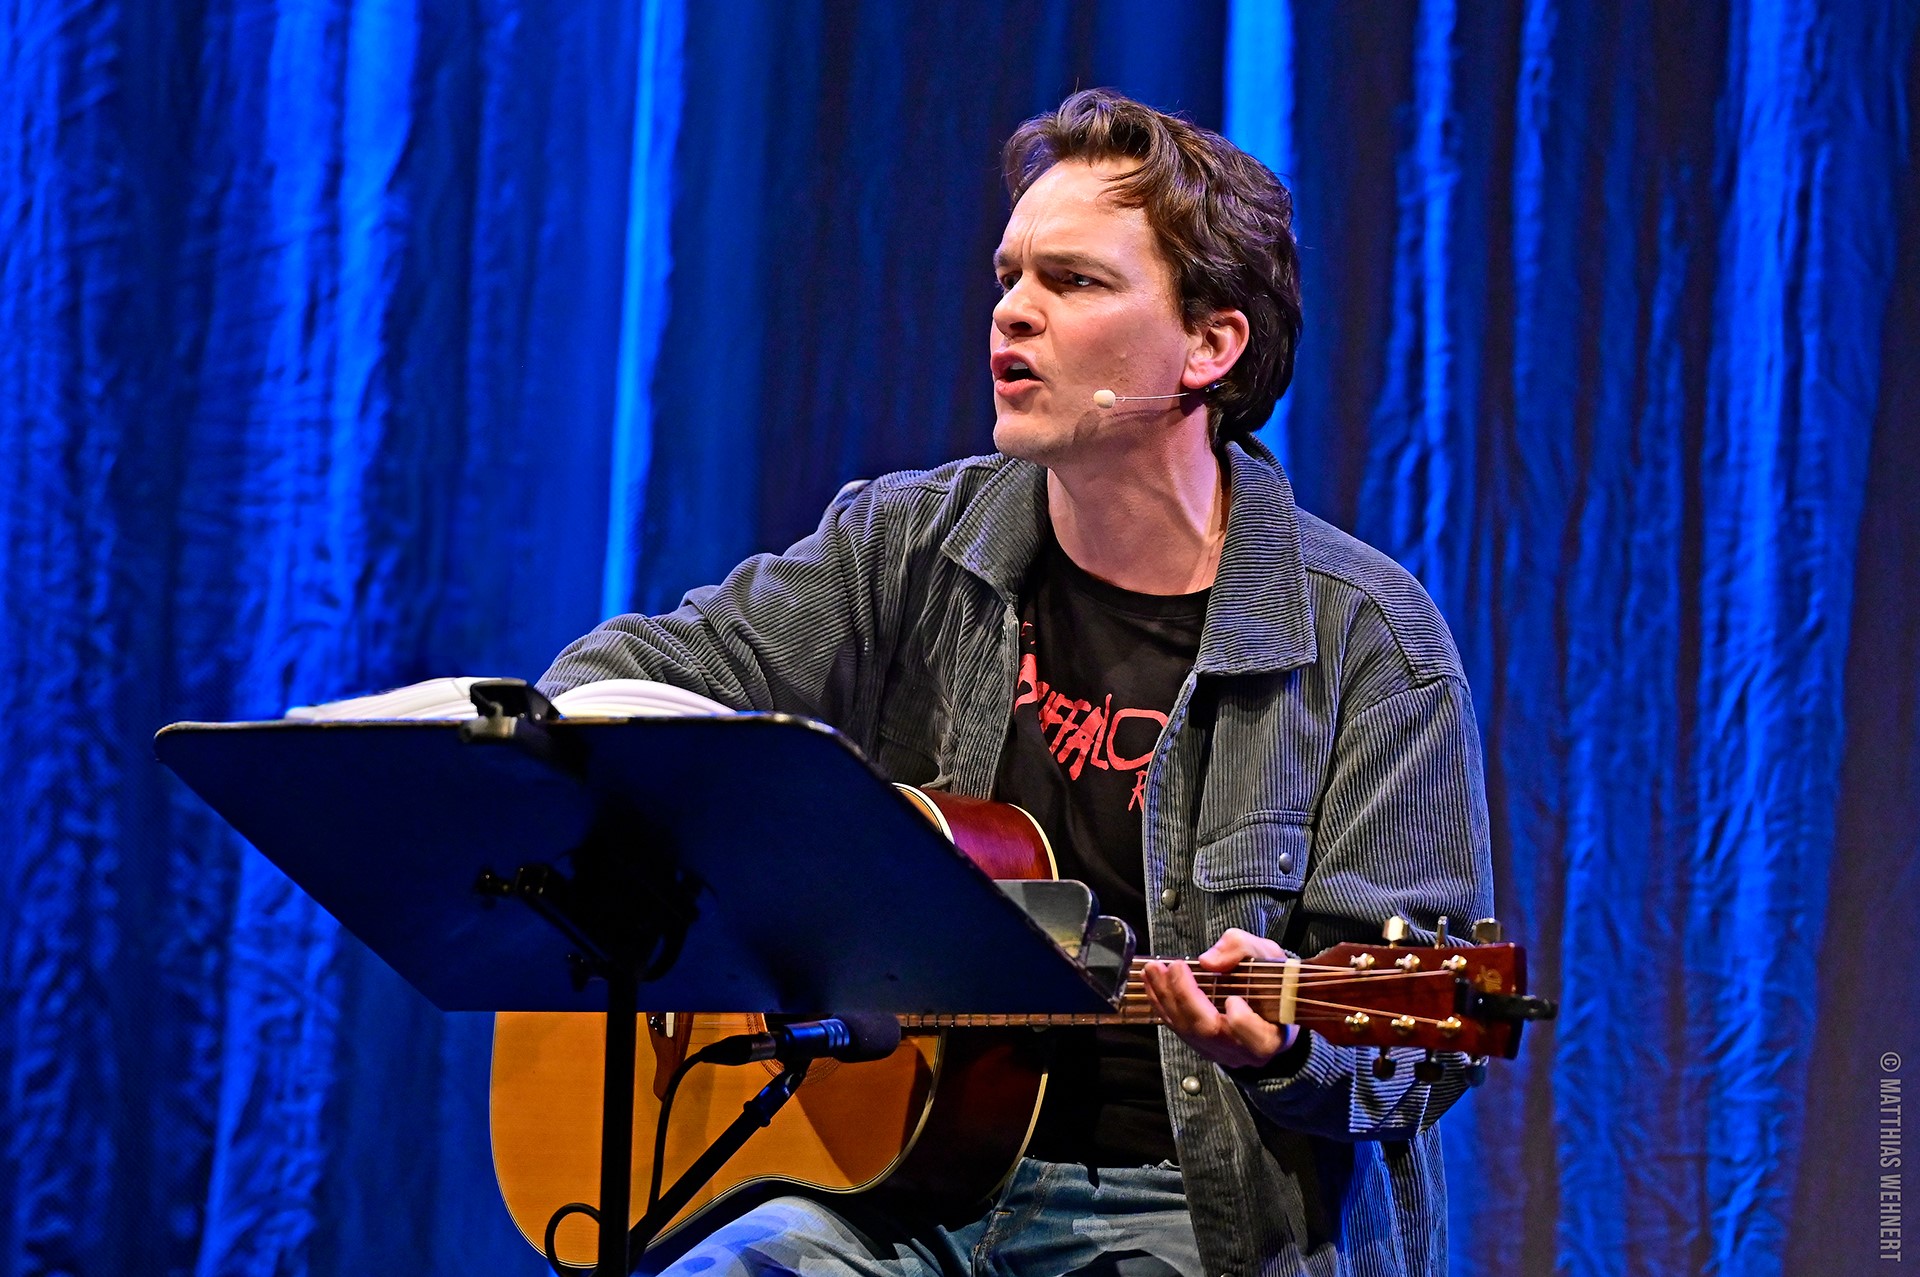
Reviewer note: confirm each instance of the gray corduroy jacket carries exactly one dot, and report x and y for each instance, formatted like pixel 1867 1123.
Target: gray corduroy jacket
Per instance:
pixel 1320 771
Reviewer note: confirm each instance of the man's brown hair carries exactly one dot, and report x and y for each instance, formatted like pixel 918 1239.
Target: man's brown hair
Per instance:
pixel 1222 219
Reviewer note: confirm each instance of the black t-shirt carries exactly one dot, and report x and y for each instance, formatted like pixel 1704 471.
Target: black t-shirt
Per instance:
pixel 1100 668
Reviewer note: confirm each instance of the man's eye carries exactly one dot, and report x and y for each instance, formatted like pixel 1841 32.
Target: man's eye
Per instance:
pixel 1080 281
pixel 1007 281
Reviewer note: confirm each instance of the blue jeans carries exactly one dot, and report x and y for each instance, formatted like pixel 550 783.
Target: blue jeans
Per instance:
pixel 1052 1219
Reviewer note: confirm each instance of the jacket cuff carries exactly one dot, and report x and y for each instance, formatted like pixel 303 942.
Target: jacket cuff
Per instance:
pixel 1308 1062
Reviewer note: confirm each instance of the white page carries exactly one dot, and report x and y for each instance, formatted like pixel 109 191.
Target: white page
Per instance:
pixel 448 699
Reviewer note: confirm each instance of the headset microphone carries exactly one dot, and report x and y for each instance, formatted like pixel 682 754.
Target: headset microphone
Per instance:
pixel 1107 399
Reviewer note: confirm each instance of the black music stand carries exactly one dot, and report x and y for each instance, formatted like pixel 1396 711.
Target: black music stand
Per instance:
pixel 746 863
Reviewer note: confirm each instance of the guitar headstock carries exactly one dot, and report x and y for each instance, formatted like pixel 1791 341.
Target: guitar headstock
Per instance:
pixel 1470 998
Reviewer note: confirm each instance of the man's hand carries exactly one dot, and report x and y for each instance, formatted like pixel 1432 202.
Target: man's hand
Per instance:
pixel 1232 1034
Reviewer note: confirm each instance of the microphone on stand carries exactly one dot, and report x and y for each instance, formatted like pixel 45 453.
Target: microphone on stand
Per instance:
pixel 848 1038
pixel 1107 399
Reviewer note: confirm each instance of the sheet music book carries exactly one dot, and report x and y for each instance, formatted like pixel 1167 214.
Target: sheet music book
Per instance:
pixel 447 699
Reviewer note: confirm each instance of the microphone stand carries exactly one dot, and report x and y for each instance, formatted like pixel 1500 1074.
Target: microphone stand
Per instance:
pixel 755 1114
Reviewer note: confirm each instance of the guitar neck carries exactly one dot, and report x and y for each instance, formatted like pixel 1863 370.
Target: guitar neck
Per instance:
pixel 1258 982
pixel 1469 998
pixel 1460 998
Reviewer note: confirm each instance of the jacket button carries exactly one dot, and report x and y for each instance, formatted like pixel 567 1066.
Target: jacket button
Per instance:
pixel 1170 898
pixel 1286 862
pixel 1190 1084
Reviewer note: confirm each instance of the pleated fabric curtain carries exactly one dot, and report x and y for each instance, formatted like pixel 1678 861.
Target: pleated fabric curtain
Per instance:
pixel 1606 329
pixel 308 313
pixel 1610 310
pixel 346 342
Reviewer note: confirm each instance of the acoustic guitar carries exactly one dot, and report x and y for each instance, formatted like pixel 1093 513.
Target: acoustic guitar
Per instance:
pixel 942 1121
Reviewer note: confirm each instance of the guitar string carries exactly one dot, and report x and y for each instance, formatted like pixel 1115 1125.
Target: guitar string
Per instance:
pixel 1262 978
pixel 1338 1008
pixel 1276 964
pixel 1331 1013
pixel 1234 981
pixel 1140 1010
pixel 1207 978
pixel 1235 985
pixel 1321 1011
pixel 1278 971
pixel 1134 1001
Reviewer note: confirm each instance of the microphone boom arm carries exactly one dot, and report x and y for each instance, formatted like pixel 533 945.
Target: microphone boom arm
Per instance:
pixel 1107 399
pixel 755 1115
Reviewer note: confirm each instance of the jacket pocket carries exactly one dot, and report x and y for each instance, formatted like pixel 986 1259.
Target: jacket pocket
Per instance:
pixel 1263 850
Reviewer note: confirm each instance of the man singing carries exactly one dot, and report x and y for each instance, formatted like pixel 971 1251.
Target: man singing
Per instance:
pixel 1248 731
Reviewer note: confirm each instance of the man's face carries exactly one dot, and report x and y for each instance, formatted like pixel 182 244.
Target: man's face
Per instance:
pixel 1088 303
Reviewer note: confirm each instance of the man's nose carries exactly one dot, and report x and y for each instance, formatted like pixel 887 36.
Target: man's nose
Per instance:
pixel 1015 313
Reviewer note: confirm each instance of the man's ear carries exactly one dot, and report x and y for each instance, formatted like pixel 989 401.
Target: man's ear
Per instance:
pixel 1215 348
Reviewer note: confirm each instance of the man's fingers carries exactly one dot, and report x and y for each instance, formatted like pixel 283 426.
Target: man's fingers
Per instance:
pixel 1227 952
pixel 1232 1034
pixel 1236 946
pixel 1176 995
pixel 1249 1029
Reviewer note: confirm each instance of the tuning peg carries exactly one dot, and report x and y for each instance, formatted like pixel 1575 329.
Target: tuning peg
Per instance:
pixel 1486 931
pixel 1384 1066
pixel 1396 929
pixel 1428 1069
pixel 1477 1071
pixel 1440 933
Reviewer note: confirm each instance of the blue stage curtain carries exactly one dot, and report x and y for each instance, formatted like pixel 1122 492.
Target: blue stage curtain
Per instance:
pixel 1610 313
pixel 308 312
pixel 345 342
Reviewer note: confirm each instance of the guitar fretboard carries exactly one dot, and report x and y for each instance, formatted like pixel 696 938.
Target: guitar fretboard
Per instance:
pixel 1259 982
pixel 1143 1014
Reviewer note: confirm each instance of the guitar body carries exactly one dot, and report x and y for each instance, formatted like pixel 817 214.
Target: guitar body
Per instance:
pixel 941 1122
pixel 938 1124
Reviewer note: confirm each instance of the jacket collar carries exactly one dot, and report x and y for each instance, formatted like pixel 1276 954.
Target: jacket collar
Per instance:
pixel 1259 614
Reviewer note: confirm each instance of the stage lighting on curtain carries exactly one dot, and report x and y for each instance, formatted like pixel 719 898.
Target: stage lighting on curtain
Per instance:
pixel 1258 92
pixel 646 298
